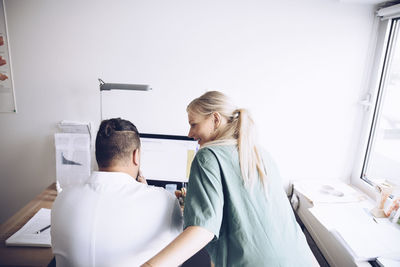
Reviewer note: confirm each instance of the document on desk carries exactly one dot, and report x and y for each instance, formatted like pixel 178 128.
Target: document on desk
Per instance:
pixel 356 230
pixel 28 236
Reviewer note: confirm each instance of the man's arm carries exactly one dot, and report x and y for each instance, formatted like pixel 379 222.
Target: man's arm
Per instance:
pixel 188 243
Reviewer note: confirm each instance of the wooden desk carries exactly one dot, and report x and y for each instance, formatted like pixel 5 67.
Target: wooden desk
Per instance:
pixel 26 256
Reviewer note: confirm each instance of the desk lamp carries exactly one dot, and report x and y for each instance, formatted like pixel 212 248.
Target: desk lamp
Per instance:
pixel 119 86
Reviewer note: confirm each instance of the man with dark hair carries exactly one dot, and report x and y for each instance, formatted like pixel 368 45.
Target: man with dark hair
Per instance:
pixel 115 218
pixel 115 142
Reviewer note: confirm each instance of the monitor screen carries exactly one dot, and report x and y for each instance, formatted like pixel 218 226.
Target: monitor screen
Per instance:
pixel 166 159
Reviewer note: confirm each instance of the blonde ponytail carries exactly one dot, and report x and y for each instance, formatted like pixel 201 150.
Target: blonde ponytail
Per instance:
pixel 249 157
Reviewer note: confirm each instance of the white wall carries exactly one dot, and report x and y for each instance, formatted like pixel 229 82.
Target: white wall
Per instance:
pixel 298 65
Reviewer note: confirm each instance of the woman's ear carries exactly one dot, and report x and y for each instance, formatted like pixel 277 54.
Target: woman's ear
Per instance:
pixel 217 120
pixel 136 157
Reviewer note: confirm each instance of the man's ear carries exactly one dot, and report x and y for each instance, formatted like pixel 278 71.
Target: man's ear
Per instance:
pixel 136 157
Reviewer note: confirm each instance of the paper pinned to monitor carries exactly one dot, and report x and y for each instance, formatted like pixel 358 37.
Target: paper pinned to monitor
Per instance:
pixel 27 235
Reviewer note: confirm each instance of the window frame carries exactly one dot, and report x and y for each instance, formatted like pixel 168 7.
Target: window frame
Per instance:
pixel 374 80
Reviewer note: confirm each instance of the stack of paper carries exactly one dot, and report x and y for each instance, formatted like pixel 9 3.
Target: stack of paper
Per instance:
pixel 75 127
pixel 28 236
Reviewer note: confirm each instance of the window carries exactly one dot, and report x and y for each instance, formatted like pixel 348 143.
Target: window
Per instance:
pixel 382 157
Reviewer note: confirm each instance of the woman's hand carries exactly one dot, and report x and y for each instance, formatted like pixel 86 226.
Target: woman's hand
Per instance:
pixel 181 195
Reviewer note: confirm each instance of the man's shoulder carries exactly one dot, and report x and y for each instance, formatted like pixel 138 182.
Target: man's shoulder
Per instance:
pixel 157 193
pixel 155 190
pixel 72 189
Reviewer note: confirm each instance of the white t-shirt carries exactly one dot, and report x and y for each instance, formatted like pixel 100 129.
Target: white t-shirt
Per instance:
pixel 112 220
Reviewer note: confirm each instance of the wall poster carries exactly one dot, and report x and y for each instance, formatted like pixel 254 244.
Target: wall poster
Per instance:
pixel 7 94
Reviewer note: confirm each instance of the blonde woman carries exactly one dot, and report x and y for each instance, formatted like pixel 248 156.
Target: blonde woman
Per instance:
pixel 235 203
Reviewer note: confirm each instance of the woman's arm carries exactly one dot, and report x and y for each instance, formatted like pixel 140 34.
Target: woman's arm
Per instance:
pixel 190 241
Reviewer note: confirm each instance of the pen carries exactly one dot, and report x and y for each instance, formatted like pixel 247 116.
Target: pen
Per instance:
pixel 41 230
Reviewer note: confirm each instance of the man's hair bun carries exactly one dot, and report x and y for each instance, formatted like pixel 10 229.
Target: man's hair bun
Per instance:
pixel 109 128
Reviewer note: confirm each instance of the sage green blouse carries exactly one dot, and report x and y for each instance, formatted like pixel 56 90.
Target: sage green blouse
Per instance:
pixel 251 228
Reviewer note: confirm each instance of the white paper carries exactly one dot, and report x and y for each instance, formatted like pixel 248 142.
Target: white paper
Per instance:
pixel 353 226
pixel 75 127
pixel 387 262
pixel 72 158
pixel 27 236
pixel 328 191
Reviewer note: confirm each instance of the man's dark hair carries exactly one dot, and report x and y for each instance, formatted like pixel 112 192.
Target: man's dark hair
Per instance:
pixel 115 142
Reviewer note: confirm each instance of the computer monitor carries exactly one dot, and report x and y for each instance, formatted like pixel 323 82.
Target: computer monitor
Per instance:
pixel 166 159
